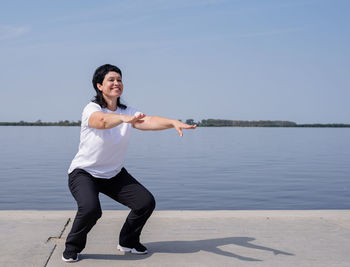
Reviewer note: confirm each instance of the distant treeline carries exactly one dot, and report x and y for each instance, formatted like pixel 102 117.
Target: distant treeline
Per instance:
pixel 40 123
pixel 202 123
pixel 261 123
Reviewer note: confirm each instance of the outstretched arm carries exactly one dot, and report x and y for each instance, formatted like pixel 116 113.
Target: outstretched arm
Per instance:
pixel 155 123
pixel 100 120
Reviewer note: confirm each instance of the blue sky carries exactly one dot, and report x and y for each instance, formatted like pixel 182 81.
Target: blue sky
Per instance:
pixel 238 59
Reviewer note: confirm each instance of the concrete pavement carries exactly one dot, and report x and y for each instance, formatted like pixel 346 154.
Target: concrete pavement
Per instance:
pixel 185 238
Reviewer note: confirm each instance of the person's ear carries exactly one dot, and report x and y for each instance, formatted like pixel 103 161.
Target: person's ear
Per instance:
pixel 99 86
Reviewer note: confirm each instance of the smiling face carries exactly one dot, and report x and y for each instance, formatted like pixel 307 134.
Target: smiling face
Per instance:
pixel 112 85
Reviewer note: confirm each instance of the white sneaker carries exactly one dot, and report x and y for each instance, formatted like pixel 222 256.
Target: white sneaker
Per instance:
pixel 138 249
pixel 70 256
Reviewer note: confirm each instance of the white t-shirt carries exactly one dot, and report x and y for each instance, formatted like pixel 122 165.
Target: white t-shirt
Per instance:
pixel 102 151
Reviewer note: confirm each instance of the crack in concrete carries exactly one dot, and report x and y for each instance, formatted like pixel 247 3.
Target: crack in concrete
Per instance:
pixel 56 238
pixel 48 259
pixel 60 235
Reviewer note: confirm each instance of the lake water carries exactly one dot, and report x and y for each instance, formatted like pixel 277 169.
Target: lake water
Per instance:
pixel 208 168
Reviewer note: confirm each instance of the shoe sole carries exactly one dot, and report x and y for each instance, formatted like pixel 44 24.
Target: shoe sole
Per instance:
pixel 132 250
pixel 70 259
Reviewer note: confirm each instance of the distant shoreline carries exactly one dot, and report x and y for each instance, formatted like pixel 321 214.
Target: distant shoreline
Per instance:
pixel 203 123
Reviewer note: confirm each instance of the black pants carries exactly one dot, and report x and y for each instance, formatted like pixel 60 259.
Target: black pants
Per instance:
pixel 122 188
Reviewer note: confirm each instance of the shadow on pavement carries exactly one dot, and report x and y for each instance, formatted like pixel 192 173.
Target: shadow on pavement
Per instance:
pixel 209 245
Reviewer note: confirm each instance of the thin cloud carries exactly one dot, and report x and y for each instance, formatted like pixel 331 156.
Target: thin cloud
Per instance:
pixel 224 36
pixel 11 32
pixel 140 9
pixel 267 33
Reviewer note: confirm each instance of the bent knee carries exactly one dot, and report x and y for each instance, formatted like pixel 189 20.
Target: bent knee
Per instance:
pixel 92 212
pixel 150 203
pixel 145 205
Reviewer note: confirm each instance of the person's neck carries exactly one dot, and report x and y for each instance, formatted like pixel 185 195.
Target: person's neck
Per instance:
pixel 111 103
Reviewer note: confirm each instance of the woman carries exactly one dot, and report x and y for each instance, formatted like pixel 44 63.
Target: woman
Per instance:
pixel 98 165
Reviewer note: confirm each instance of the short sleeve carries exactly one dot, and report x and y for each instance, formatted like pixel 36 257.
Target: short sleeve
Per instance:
pixel 132 111
pixel 88 110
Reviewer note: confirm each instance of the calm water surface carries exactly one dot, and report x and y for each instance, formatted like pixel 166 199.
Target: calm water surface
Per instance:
pixel 209 168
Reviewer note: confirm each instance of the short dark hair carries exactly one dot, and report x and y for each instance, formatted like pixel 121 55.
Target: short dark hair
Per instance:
pixel 98 77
